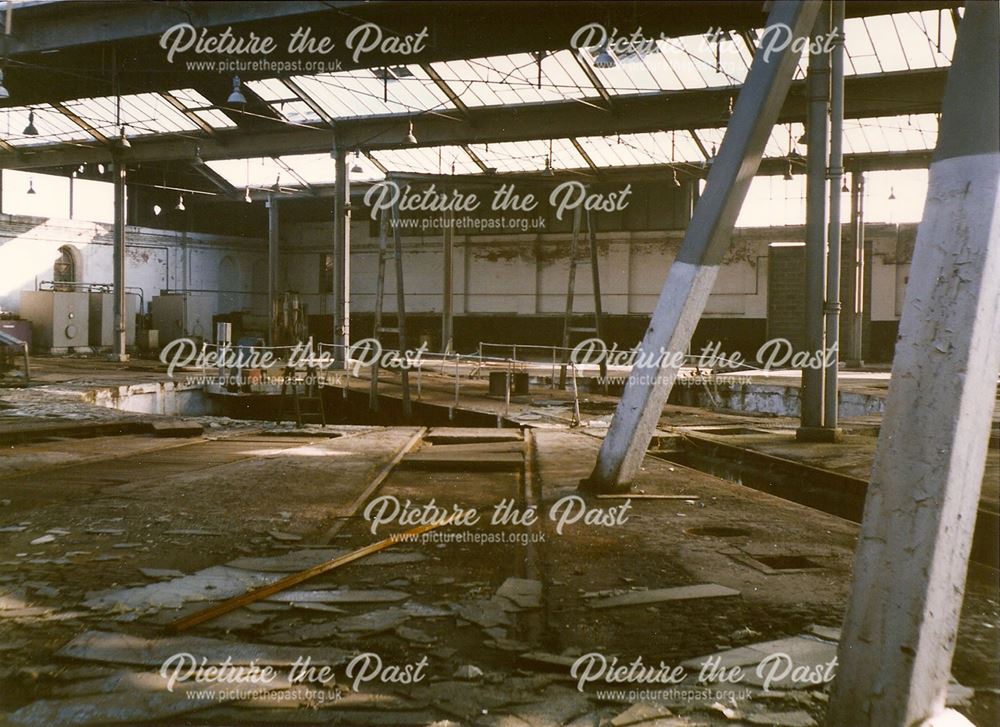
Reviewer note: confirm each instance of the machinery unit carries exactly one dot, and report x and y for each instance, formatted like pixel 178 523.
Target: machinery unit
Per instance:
pixel 60 320
pixel 102 320
pixel 183 315
pixel 18 328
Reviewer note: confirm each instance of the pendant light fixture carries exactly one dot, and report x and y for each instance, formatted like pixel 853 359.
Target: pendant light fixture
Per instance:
pixel 180 204
pixel 604 59
pixel 122 141
pixel 236 95
pixel 30 129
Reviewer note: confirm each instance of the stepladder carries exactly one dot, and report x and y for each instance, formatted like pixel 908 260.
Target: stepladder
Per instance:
pixel 379 330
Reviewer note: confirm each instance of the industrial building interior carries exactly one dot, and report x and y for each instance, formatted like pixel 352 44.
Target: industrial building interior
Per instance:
pixel 500 363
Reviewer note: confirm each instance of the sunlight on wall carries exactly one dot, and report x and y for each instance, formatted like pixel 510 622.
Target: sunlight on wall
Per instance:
pixel 775 201
pixel 31 255
pixel 50 198
pixel 93 200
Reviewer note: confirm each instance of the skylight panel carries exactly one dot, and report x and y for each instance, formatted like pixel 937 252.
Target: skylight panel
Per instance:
pixel 515 79
pixel 53 126
pixel 141 114
pixel 522 156
pixel 258 173
pixel 373 92
pixel 424 160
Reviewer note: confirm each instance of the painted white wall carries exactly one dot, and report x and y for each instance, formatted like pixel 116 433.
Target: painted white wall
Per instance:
pixel 527 274
pixel 155 259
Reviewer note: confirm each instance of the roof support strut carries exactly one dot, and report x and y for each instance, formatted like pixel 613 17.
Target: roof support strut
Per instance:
pixel 692 274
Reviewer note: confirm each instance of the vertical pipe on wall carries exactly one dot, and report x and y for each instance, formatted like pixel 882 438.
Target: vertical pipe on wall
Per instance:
pixel 830 395
pixel 818 84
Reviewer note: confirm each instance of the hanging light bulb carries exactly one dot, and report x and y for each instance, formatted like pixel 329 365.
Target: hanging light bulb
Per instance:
pixel 31 186
pixel 4 93
pixel 30 129
pixel 892 193
pixel 157 210
pixel 197 155
pixel 788 172
pixel 246 196
pixel 100 169
pixel 357 168
pixel 180 203
pixel 675 181
pixel 604 59
pixel 410 138
pixel 236 96
pixel 844 187
pixel 122 141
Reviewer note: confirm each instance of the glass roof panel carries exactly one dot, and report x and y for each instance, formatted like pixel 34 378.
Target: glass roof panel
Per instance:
pixel 427 160
pixel 53 126
pixel 370 92
pixel 143 113
pixel 519 156
pixel 516 79
pixel 260 173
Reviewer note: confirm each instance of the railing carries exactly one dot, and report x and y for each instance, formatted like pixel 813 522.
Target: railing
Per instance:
pixel 450 365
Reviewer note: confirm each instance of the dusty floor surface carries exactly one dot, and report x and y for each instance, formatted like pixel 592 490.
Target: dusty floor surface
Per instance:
pixel 105 541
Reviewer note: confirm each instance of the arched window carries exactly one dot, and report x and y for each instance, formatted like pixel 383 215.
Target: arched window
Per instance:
pixel 64 270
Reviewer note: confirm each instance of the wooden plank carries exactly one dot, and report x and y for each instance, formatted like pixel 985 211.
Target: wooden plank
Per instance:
pixel 183 624
pixel 374 484
pixel 465 462
pixel 639 496
pixel 659 595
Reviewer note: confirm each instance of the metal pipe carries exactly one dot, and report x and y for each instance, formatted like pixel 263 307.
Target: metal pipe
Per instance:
pixel 833 254
pixel 818 83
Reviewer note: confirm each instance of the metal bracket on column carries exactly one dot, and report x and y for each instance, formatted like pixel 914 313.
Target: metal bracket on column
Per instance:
pixel 691 277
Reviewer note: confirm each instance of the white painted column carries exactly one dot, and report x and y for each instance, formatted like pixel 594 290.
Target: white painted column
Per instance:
pixel 692 275
pixel 910 565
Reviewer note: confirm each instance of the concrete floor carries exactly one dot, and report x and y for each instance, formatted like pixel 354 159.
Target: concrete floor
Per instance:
pixel 105 507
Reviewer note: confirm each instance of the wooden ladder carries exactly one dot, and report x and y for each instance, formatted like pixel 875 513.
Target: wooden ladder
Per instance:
pixel 575 259
pixel 379 330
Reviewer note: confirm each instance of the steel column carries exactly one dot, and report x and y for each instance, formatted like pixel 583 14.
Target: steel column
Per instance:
pixel 817 131
pixel 691 276
pixel 272 267
pixel 830 395
pixel 913 551
pixel 448 292
pixel 341 258
pixel 856 329
pixel 120 309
